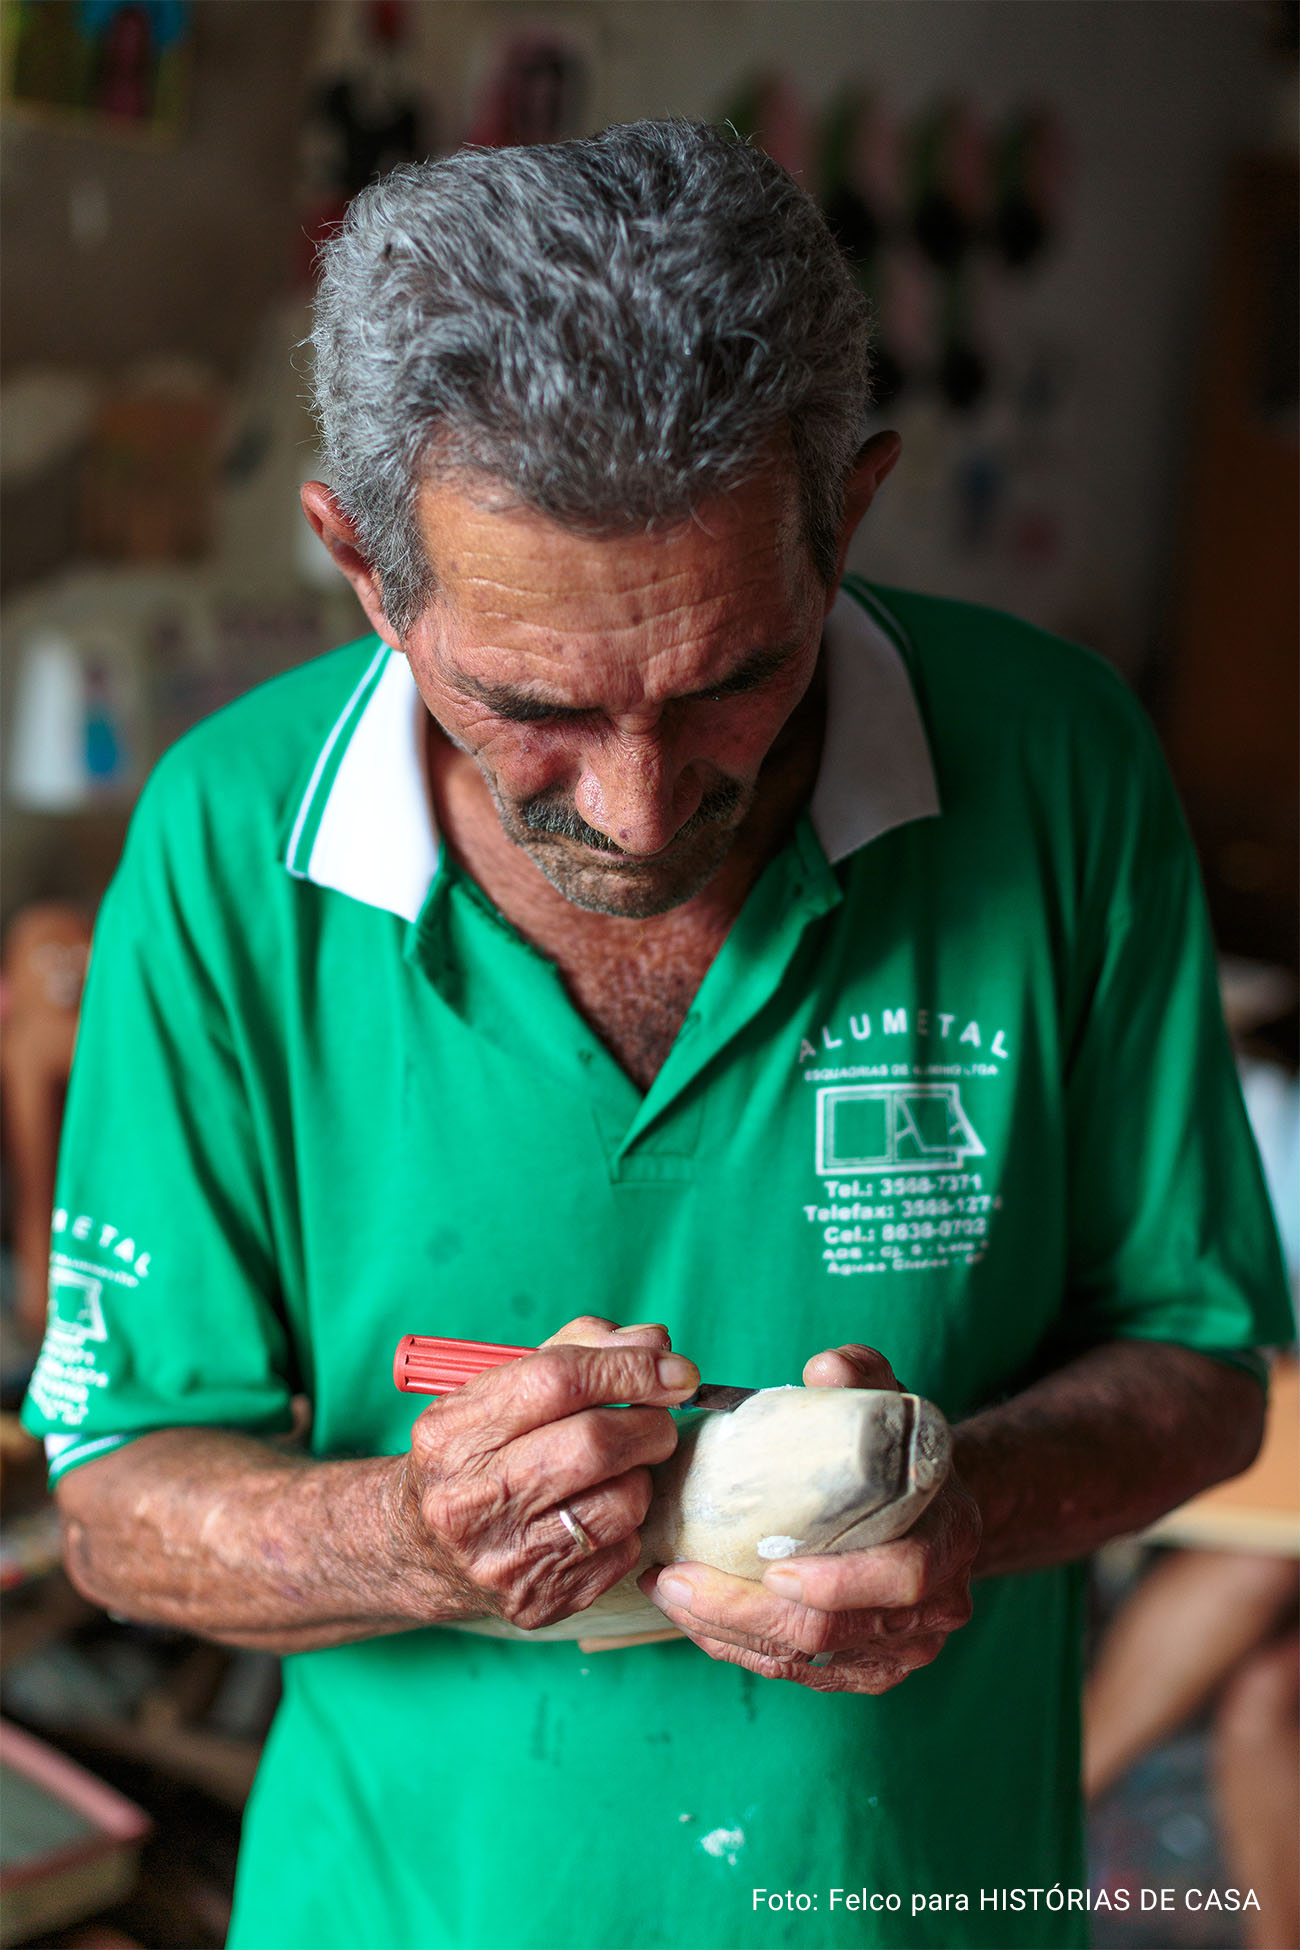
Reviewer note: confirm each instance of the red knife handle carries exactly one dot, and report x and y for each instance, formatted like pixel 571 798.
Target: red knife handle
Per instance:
pixel 425 1365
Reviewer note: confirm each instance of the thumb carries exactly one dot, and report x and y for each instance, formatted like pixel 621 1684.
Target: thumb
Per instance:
pixel 852 1366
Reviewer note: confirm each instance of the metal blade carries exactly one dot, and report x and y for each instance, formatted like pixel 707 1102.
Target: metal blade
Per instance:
pixel 712 1394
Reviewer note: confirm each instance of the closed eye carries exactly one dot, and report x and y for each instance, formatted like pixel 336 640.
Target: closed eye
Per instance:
pixel 734 686
pixel 523 710
pixel 516 707
pixel 756 671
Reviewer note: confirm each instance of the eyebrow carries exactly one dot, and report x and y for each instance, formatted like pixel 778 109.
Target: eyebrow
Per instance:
pixel 511 702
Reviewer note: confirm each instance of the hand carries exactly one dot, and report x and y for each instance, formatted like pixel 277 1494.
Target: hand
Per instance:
pixel 478 1497
pixel 872 1616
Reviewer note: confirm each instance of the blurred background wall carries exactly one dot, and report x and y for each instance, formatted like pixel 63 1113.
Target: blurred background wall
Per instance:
pixel 1077 222
pixel 1054 409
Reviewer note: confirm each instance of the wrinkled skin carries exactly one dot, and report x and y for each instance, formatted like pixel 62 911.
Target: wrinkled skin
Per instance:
pixel 488 1473
pixel 872 1616
pixel 490 1464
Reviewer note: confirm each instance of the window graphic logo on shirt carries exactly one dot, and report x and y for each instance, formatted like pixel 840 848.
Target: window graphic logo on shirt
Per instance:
pixel 75 1308
pixel 67 1372
pixel 880 1126
pixel 904 1178
pixel 89 1256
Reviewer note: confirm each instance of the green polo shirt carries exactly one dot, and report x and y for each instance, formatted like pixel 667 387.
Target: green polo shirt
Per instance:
pixel 956 1085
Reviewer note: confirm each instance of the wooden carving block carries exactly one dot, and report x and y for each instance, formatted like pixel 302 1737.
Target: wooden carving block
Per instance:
pixel 791 1472
pixel 795 1472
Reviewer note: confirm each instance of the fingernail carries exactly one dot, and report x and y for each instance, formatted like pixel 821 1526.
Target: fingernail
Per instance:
pixel 675 1590
pixel 676 1372
pixel 643 1327
pixel 784 1583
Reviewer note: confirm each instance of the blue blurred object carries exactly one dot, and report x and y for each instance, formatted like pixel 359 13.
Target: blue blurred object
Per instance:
pixel 168 19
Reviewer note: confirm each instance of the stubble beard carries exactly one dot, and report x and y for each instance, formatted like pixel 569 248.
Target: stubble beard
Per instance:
pixel 552 831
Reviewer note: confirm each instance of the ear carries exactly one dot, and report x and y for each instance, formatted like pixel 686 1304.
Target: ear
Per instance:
pixel 874 463
pixel 334 526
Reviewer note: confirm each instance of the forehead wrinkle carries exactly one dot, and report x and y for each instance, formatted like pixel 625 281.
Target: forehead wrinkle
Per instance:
pixel 699 630
pixel 718 611
pixel 494 597
pixel 493 550
pixel 614 619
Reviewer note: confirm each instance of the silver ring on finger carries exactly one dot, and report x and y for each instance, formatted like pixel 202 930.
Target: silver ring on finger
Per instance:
pixel 575 1529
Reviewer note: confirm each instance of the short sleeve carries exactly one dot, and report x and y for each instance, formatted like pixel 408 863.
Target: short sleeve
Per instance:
pixel 1171 1231
pixel 163 1304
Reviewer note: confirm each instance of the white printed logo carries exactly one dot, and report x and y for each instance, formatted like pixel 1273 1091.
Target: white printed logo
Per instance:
pixel 101 1239
pixel 881 1126
pixel 75 1308
pixel 67 1370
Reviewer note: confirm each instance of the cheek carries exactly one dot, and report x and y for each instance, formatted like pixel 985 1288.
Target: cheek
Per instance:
pixel 524 763
pixel 736 735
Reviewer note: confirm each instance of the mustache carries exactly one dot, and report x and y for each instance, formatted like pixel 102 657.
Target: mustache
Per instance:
pixel 550 814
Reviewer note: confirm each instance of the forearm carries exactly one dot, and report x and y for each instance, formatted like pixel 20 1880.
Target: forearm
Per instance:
pixel 222 1535
pixel 1102 1447
pixel 490 1514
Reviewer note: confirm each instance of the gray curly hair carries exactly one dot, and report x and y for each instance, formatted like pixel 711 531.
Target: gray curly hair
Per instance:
pixel 615 329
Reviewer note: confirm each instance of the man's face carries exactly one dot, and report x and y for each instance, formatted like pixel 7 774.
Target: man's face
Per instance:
pixel 620 695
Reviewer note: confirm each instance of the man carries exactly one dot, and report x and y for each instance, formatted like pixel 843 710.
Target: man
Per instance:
pixel 641 928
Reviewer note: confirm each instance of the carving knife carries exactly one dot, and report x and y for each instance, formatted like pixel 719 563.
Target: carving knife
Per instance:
pixel 425 1364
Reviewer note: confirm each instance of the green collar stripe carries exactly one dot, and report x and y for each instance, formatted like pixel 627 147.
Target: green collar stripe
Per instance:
pixel 314 799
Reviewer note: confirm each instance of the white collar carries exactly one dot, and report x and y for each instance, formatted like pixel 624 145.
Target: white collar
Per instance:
pixel 876 771
pixel 365 824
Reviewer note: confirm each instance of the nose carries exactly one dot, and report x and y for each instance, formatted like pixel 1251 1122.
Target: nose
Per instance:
pixel 632 790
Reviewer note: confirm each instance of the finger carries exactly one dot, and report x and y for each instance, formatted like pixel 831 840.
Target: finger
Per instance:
pixel 593 1330
pixel 546 1387
pixel 851 1366
pixel 588 1330
pixel 897 1576
pixel 534 1572
pixel 605 1516
pixel 697 1598
pixel 825 1638
pixel 563 1459
pixel 737 1611
pixel 558 1579
pixel 846 1673
pixel 768 1666
pixel 645 1333
pixel 940 1546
